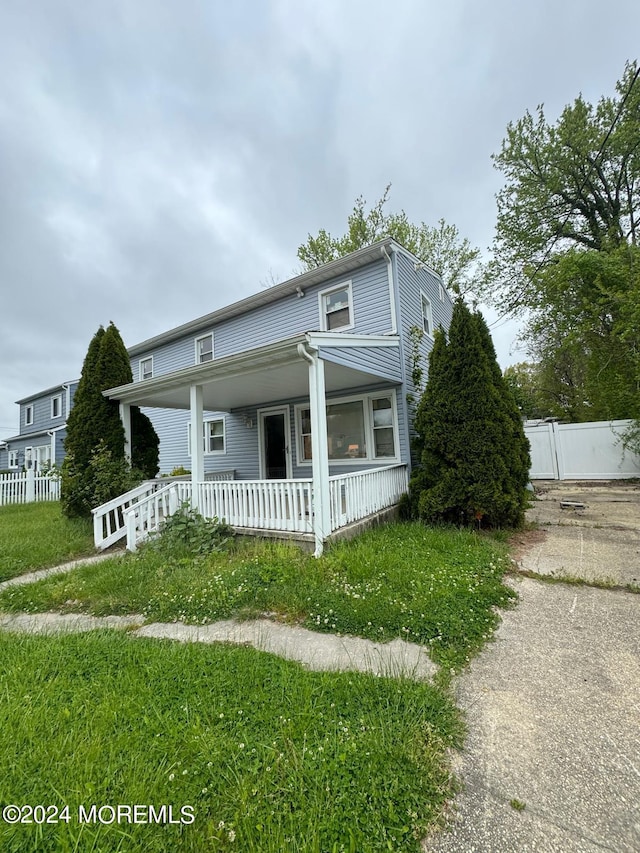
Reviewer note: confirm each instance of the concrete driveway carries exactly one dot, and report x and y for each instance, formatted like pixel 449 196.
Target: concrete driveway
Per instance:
pixel 552 761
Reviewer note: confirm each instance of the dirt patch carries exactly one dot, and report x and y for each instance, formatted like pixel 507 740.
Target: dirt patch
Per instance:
pixel 522 541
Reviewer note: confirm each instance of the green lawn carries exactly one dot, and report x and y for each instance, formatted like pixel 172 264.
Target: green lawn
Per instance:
pixel 37 535
pixel 268 756
pixel 437 587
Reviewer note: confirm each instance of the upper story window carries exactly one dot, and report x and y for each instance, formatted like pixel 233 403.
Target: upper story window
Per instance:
pixel 28 415
pixel 204 349
pixel 56 406
pixel 427 315
pixel 441 293
pixel 336 308
pixel 146 368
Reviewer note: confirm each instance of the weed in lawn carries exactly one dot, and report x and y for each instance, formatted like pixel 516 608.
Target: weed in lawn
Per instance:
pixel 438 587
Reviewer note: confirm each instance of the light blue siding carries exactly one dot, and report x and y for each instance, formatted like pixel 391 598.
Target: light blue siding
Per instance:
pixel 379 361
pixel 411 283
pixel 282 319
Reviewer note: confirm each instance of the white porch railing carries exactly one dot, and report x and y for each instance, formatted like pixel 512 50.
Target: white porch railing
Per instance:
pixel 355 496
pixel 145 516
pixel 109 519
pixel 28 487
pixel 263 504
pixel 280 505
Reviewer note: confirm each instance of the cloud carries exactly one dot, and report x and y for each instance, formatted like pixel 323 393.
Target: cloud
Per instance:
pixel 158 161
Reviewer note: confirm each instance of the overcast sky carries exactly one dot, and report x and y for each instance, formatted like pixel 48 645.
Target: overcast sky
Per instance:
pixel 159 160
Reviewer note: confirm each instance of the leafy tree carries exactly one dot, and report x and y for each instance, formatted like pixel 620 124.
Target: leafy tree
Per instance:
pixel 574 184
pixel 440 247
pixel 94 469
pixel 474 458
pixel 524 382
pixel 566 250
pixel 586 337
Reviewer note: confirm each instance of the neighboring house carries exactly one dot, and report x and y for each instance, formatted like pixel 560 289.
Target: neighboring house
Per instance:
pixel 41 430
pixel 301 396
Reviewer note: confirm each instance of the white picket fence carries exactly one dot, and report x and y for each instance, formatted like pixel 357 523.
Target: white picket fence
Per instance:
pixel 591 451
pixel 28 487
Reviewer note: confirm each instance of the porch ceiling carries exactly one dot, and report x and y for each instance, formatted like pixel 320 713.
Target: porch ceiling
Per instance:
pixel 262 375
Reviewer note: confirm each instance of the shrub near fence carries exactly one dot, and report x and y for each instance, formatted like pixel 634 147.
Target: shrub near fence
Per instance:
pixel 28 487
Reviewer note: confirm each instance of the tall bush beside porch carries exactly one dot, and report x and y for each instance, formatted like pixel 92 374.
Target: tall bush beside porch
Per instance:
pixel 473 454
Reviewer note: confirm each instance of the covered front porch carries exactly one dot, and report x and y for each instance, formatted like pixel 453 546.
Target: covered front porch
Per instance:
pixel 305 367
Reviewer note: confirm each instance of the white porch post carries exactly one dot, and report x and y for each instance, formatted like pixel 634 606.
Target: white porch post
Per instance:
pixel 125 417
pixel 319 454
pixel 197 450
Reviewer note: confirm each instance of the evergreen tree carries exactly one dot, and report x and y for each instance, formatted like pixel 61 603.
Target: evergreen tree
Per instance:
pixel 86 402
pixel 95 469
pixel 521 457
pixel 471 456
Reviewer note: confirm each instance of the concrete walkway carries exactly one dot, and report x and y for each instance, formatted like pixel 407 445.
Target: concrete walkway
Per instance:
pixel 553 705
pixel 314 650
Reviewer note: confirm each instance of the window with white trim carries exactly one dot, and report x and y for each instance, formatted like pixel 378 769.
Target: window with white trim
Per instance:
pixel 42 456
pixel 145 367
pixel 28 415
pixel 13 459
pixel 336 308
pixel 204 349
pixel 56 406
pixel 441 293
pixel 358 429
pixel 427 315
pixel 213 437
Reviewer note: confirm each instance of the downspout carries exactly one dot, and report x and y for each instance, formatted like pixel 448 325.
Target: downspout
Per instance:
pixel 67 387
pixel 403 402
pixel 392 293
pixel 320 449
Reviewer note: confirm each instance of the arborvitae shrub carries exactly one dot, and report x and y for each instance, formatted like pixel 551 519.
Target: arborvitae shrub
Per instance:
pixel 472 467
pixel 95 470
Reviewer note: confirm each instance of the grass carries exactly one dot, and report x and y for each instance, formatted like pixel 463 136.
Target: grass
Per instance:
pixel 438 587
pixel 37 535
pixel 269 757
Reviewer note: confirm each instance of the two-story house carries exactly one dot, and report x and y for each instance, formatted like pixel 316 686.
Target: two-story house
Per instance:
pixel 41 431
pixel 293 408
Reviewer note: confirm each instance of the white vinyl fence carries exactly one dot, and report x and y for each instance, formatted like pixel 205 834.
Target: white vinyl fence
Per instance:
pixel 28 487
pixel 591 451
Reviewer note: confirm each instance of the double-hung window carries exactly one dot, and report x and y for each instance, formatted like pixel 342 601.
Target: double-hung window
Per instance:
pixel 213 437
pixel 146 368
pixel 427 315
pixel 13 459
pixel 336 308
pixel 358 429
pixel 204 349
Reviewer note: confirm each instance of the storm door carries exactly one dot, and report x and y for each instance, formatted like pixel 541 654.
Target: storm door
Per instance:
pixel 275 432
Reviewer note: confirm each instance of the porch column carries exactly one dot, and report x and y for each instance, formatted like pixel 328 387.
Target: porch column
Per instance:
pixel 319 453
pixel 197 450
pixel 125 417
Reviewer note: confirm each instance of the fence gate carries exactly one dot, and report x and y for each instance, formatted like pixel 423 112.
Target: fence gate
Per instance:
pixel 591 451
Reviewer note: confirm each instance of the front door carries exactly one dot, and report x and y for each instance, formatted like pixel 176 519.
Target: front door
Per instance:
pixel 275 458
